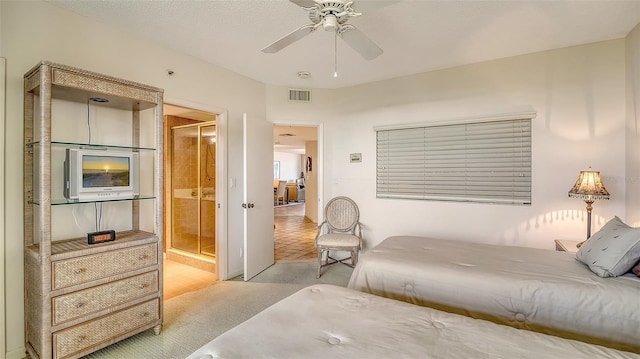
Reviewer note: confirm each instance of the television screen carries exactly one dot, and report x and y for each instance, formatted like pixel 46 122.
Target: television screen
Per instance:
pixel 105 171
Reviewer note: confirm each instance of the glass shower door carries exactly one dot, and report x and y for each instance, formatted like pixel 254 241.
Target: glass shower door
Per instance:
pixel 193 188
pixel 184 180
pixel 208 193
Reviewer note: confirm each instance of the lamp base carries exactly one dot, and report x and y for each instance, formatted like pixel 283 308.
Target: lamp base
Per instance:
pixel 589 208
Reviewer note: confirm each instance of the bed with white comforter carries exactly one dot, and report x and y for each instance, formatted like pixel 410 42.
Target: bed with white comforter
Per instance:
pixel 325 321
pixel 536 289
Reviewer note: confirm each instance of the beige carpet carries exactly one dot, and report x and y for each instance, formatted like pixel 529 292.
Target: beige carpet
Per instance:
pixel 193 319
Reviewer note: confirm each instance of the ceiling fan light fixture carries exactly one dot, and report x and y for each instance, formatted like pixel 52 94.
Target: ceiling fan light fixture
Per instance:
pixel 330 22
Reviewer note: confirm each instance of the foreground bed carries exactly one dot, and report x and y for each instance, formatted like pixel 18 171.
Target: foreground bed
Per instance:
pixel 334 322
pixel 536 289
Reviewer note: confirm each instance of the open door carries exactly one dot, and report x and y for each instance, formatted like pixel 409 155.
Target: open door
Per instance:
pixel 257 136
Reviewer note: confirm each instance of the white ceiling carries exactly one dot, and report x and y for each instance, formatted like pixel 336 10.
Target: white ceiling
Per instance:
pixel 416 36
pixel 293 138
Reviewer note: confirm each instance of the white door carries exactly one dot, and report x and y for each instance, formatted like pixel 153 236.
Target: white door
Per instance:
pixel 257 135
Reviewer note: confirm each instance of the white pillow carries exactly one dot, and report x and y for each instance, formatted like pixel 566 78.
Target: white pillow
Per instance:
pixel 613 250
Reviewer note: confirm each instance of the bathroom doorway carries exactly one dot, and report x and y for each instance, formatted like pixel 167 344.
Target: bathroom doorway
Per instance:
pixel 191 208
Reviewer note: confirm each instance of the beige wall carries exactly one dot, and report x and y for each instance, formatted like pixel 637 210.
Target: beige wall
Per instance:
pixel 578 95
pixel 2 200
pixel 77 41
pixel 632 170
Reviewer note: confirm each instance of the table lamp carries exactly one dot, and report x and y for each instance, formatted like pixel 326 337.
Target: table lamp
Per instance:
pixel 588 187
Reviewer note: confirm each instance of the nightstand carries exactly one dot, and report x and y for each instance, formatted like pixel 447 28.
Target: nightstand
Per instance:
pixel 566 245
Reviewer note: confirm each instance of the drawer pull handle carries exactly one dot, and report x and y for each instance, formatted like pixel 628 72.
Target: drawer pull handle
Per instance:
pixel 80 305
pixel 79 270
pixel 143 256
pixel 143 285
pixel 144 315
pixel 81 338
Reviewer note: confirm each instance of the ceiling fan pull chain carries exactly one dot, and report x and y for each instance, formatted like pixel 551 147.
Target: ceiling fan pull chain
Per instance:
pixel 335 53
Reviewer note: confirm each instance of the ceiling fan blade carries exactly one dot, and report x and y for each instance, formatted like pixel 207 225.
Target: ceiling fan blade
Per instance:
pixel 360 42
pixel 304 3
pixel 289 39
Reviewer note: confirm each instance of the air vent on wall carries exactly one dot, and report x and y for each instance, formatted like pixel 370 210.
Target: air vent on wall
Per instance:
pixel 300 95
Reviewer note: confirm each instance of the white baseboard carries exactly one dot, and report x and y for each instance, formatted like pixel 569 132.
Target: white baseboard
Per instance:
pixel 19 353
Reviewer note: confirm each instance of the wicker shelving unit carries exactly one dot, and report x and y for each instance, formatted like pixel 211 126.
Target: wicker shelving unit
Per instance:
pixel 81 297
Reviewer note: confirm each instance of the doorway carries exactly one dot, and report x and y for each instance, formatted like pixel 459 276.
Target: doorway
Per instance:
pixel 295 218
pixel 191 168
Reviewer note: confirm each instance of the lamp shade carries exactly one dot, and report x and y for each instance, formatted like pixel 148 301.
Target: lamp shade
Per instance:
pixel 589 187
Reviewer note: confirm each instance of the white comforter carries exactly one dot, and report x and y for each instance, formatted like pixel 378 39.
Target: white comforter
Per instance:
pixel 530 288
pixel 324 321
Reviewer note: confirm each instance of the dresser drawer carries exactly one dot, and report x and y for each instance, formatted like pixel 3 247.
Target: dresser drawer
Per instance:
pixel 71 306
pixel 73 340
pixel 69 272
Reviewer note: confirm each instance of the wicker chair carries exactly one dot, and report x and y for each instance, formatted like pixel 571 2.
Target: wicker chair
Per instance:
pixel 340 231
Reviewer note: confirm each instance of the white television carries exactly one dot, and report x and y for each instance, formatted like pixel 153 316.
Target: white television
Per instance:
pixel 100 175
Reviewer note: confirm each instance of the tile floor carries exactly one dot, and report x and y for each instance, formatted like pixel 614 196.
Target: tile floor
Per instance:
pixel 294 235
pixel 180 278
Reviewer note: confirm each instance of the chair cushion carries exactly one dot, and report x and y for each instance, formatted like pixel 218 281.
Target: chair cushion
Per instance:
pixel 338 240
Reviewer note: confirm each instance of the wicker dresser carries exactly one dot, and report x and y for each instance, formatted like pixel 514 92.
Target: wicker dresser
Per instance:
pixel 81 297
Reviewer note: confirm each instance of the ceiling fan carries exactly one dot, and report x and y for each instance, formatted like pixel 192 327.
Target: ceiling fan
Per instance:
pixel 331 15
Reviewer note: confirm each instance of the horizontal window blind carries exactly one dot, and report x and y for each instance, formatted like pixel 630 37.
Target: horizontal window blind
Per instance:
pixel 487 161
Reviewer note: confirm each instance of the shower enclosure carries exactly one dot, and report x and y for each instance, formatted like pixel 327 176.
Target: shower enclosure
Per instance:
pixel 193 199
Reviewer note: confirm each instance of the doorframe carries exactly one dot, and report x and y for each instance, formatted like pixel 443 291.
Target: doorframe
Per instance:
pixel 221 179
pixel 319 165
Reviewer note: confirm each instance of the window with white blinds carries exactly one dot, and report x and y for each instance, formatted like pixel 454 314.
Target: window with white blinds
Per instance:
pixel 488 161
